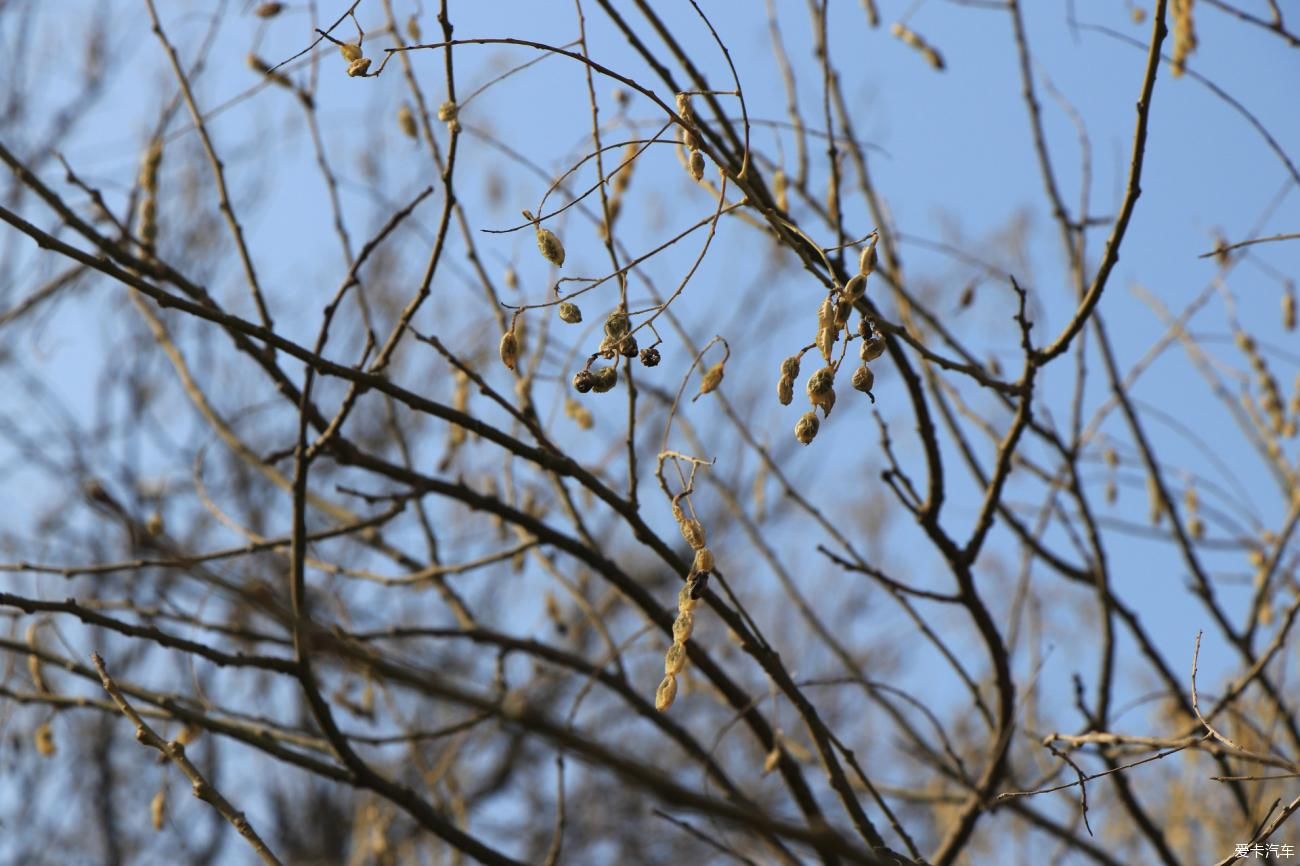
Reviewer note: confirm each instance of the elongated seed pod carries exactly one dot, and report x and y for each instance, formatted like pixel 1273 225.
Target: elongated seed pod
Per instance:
pixel 509 349
pixel 44 736
pixel 779 190
pixel 406 121
pixel 685 602
pixel 695 164
pixel 674 659
pixel 693 532
pixel 790 367
pixel 785 390
pixel 666 694
pixel 268 10
pixel 712 378
pixel 683 626
pixel 855 288
pixel 158 809
pixel 550 246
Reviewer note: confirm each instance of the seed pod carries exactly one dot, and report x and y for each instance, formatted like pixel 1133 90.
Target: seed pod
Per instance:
pixel 863 379
pixel 583 381
pixel 843 310
pixel 821 382
pixel 693 532
pixel 44 737
pixel 1195 527
pixel 358 68
pixel 511 279
pixel 806 428
pixel 268 10
pixel 790 367
pixel 779 191
pixel 826 338
pixel 683 626
pixel 550 246
pixel 674 659
pixel 158 806
pixel 867 260
pixel 703 561
pixel 617 325
pixel 627 347
pixel 773 759
pixel 406 121
pixel 580 414
pixel 855 288
pixel 697 584
pixel 608 348
pixel 685 601
pixel 448 111
pixel 570 313
pixel 695 163
pixel 1288 308
pixel 711 380
pixel 666 694
pixel 650 357
pixel 509 349
pixel 826 402
pixel 690 140
pixel 413 28
pixel 351 51
pixel 872 348
pixel 604 380
pixel 684 107
pixel 785 390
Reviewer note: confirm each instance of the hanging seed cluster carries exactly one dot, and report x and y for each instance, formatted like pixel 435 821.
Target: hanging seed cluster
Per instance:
pixel 618 344
pixel 1184 35
pixel 358 63
pixel 690 138
pixel 687 600
pixel 833 316
pixel 913 40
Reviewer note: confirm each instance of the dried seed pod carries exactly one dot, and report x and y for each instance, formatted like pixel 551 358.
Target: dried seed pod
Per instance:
pixel 684 107
pixel 448 111
pixel 912 39
pixel 785 390
pixel 693 532
pixel 550 246
pixel 826 338
pixel 695 164
pixel 863 379
pixel 1288 308
pixel 650 357
pixel 351 51
pixel 703 561
pixel 627 347
pixel 843 309
pixel 872 348
pixel 406 121
pixel 583 381
pixel 712 378
pixel 268 10
pixel 683 626
pixel 779 191
pixel 806 428
pixel 604 379
pixel 608 348
pixel 855 288
pixel 666 694
pixel 580 414
pixel 158 805
pixel 826 402
pixel 1195 527
pixel 690 140
pixel 674 659
pixel 509 349
pixel 1184 35
pixel 511 279
pixel 821 382
pixel 358 68
pixel 413 28
pixel 867 260
pixel 685 601
pixel 790 367
pixel 570 313
pixel 44 737
pixel 617 325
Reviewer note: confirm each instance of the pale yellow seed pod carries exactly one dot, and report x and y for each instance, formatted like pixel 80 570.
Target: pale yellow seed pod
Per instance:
pixel 406 121
pixel 806 428
pixel 712 378
pixel 683 626
pixel 693 532
pixel 666 694
pixel 158 809
pixel 509 349
pixel 686 604
pixel 695 164
pixel 790 367
pixel 617 325
pixel 674 660
pixel 511 279
pixel 1288 309
pixel 1138 14
pixel 867 260
pixel 826 338
pixel 703 560
pixel 772 760
pixel 779 192
pixel 358 68
pixel 854 289
pixel 1153 498
pixel 351 51
pixel 570 313
pixel 44 737
pixel 785 390
pixel 863 379
pixel 550 246
pixel 154 525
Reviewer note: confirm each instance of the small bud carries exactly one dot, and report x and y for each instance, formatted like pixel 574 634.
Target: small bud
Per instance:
pixel 570 313
pixel 863 379
pixel 650 357
pixel 683 626
pixel 509 349
pixel 674 659
pixel 550 246
pixel 693 532
pixel 604 380
pixel 806 428
pixel 406 121
pixel 666 694
pixel 695 163
pixel 703 561
pixel 583 381
pixel 351 51
pixel 358 68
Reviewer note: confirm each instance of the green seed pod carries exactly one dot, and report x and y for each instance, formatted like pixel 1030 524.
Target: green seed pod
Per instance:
pixel 863 379
pixel 666 694
pixel 570 313
pixel 806 428
pixel 583 381
pixel 683 626
pixel 604 380
pixel 550 246
pixel 650 357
